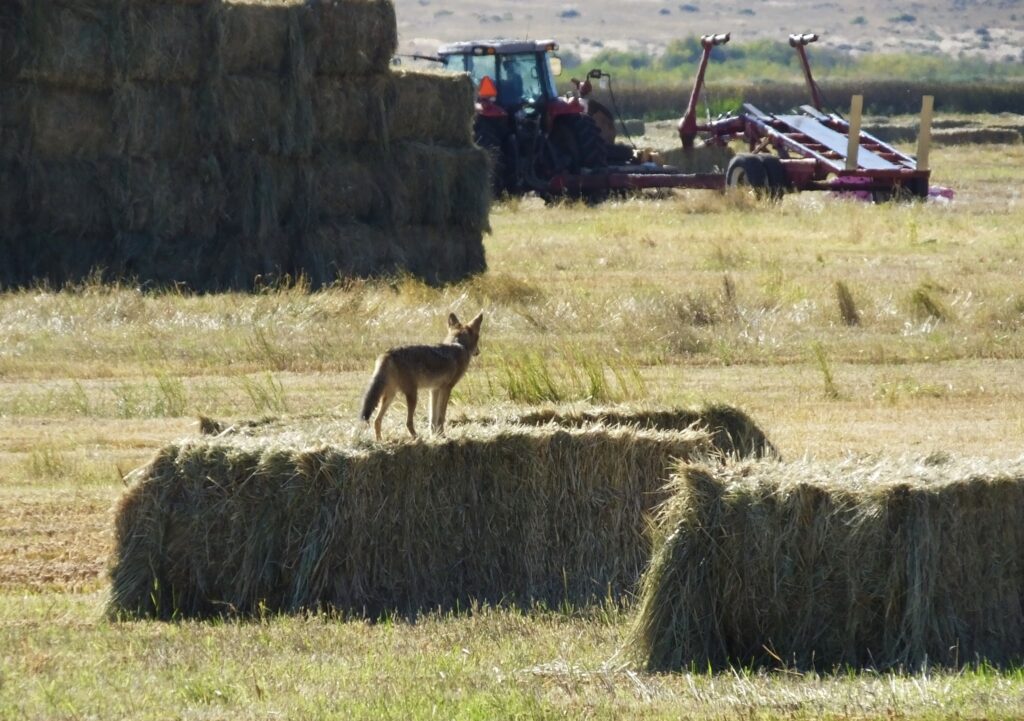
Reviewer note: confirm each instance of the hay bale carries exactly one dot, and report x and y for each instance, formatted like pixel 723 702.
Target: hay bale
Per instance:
pixel 700 159
pixel 394 107
pixel 167 199
pixel 262 114
pixel 439 254
pixel 253 36
pixel 876 563
pixel 67 44
pixel 155 121
pixel 14 120
pixel 353 112
pixel 68 198
pixel 285 521
pixel 732 432
pixel 68 124
pixel 12 197
pixel 438 186
pixel 974 136
pixel 336 249
pixel 432 107
pixel 349 38
pixel 161 42
pixel 10 52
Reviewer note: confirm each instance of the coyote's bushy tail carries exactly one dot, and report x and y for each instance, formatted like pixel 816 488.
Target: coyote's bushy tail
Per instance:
pixel 374 392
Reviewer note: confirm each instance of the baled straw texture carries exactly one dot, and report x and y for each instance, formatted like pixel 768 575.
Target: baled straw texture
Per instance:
pixel 883 563
pixel 276 520
pixel 211 142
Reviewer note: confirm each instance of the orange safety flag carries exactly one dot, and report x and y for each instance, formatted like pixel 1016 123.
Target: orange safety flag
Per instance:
pixel 488 90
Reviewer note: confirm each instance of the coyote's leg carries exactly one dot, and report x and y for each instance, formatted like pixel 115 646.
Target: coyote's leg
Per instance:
pixel 410 402
pixel 443 394
pixel 435 409
pixel 385 401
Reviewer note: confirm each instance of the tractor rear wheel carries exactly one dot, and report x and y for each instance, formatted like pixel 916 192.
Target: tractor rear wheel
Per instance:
pixel 604 120
pixel 579 141
pixel 488 136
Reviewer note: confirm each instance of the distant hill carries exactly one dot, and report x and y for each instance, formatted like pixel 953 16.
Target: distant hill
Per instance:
pixel 993 29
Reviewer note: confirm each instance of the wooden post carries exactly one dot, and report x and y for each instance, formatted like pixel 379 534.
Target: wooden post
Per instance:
pixel 924 135
pixel 856 108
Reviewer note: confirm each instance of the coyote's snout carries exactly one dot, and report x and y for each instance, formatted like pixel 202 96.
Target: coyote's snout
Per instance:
pixel 411 367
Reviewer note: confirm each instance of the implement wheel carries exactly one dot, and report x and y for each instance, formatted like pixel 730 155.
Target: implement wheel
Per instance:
pixel 777 182
pixel 747 171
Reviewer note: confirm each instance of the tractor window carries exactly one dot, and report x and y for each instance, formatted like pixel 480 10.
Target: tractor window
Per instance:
pixel 520 80
pixel 476 65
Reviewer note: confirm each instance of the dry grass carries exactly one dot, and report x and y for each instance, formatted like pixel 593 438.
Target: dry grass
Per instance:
pixel 711 299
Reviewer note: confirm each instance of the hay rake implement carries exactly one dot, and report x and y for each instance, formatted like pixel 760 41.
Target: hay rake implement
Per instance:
pixel 811 149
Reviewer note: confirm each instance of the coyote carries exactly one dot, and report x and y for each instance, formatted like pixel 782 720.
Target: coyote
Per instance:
pixel 409 368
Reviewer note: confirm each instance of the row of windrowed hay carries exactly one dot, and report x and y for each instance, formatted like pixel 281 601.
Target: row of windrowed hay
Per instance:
pixel 276 520
pixel 267 115
pixel 731 431
pixel 877 563
pixel 96 44
pixel 949 136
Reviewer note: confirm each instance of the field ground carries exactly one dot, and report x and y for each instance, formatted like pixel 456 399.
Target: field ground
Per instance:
pixel 679 300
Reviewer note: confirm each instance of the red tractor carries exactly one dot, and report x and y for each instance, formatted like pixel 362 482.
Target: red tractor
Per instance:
pixel 533 133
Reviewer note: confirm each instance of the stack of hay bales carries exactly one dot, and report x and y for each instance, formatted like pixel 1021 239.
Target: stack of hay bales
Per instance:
pixel 879 563
pixel 271 517
pixel 213 142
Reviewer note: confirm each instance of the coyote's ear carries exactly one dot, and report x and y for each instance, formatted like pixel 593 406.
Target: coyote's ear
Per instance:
pixel 475 323
pixel 453 321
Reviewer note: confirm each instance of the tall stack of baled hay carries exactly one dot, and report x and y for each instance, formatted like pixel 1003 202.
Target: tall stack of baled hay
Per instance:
pixel 278 519
pixel 212 142
pixel 876 563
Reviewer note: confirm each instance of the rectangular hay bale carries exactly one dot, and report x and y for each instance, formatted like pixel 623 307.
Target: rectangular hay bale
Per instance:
pixel 872 563
pixel 432 107
pixel 66 124
pixel 156 120
pixel 68 198
pixel 283 520
pixel 349 38
pixel 68 44
pixel 161 42
pixel 254 37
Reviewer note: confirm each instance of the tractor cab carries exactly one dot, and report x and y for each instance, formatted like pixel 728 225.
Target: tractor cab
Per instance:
pixel 532 133
pixel 507 73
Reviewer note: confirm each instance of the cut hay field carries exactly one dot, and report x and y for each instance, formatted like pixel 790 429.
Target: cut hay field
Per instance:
pixel 841 328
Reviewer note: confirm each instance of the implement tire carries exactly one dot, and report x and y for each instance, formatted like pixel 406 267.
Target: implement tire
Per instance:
pixel 746 171
pixel 778 183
